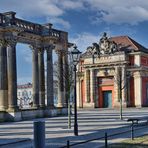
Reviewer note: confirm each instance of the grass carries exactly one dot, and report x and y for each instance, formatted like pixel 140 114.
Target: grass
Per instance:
pixel 140 142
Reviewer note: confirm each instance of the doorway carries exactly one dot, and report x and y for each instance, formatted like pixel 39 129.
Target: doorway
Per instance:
pixel 107 99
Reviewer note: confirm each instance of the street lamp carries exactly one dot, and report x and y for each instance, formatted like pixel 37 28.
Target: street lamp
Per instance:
pixel 75 54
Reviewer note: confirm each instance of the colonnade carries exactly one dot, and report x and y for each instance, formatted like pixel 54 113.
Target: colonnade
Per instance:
pixel 8 76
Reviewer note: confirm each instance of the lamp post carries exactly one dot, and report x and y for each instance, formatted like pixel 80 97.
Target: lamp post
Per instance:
pixel 75 54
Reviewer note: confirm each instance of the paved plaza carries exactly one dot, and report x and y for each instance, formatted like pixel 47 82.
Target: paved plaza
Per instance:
pixel 93 123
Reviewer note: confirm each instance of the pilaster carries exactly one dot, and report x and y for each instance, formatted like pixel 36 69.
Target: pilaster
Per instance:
pixel 124 86
pixel 92 87
pixel 138 89
pixel 87 85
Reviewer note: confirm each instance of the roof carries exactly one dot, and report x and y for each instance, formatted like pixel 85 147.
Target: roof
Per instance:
pixel 23 86
pixel 128 44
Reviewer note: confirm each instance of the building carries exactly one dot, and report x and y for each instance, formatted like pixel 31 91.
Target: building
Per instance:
pixel 25 91
pixel 111 72
pixel 24 95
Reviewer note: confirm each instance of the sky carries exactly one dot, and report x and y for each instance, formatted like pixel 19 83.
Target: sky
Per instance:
pixel 84 20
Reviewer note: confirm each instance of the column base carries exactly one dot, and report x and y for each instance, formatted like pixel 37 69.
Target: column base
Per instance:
pixel 42 107
pixel 50 107
pixel 3 108
pixel 60 105
pixel 118 105
pixel 13 108
pixel 35 106
pixel 89 105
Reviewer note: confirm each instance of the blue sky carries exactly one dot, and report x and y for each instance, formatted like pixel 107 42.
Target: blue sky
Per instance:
pixel 84 20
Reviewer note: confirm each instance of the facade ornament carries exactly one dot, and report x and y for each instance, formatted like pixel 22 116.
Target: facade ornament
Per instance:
pixel 105 46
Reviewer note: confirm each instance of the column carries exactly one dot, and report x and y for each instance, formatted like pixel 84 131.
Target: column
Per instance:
pixel 50 82
pixel 116 86
pixel 87 85
pixel 41 78
pixel 35 77
pixel 138 89
pixel 3 76
pixel 124 85
pixel 92 86
pixel 60 81
pixel 12 76
pixel 66 80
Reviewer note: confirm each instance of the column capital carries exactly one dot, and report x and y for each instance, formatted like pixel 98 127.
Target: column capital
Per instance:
pixel 40 50
pixel 49 47
pixel 11 42
pixel 3 42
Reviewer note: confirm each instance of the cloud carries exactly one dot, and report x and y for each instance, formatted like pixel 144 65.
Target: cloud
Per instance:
pixel 119 12
pixel 32 8
pixel 69 4
pixel 110 11
pixel 84 40
pixel 59 21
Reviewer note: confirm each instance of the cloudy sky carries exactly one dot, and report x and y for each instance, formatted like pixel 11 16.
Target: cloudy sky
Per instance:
pixel 84 20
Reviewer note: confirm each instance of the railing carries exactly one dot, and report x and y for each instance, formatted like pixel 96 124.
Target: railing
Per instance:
pixel 28 26
pixel 9 19
pixel 105 137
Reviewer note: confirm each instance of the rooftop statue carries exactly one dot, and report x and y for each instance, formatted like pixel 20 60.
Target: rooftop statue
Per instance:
pixel 105 46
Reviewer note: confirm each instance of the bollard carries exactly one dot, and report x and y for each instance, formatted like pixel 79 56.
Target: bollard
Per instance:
pixel 39 134
pixel 132 131
pixel 105 140
pixel 68 144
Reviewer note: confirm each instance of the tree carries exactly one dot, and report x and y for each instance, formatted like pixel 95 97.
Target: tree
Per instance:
pixel 69 85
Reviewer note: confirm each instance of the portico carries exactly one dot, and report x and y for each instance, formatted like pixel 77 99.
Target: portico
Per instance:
pixel 42 39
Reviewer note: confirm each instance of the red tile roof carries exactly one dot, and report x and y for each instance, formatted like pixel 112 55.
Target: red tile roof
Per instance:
pixel 127 43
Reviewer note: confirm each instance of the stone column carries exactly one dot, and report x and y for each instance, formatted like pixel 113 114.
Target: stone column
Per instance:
pixel 50 83
pixel 60 80
pixel 12 76
pixel 66 80
pixel 41 78
pixel 92 86
pixel 3 76
pixel 124 86
pixel 35 77
pixel 116 87
pixel 138 89
pixel 87 85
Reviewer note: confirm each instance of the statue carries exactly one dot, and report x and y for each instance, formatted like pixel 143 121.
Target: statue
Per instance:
pixel 105 46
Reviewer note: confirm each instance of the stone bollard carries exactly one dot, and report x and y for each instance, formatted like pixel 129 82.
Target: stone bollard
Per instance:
pixel 39 134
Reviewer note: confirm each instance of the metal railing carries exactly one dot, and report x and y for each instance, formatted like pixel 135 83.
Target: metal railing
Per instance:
pixel 106 137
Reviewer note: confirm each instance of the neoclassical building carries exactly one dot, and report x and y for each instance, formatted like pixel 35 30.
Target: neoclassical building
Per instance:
pixel 111 72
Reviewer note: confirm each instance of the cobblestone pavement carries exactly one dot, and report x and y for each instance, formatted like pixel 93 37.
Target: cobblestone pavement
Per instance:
pixel 92 123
